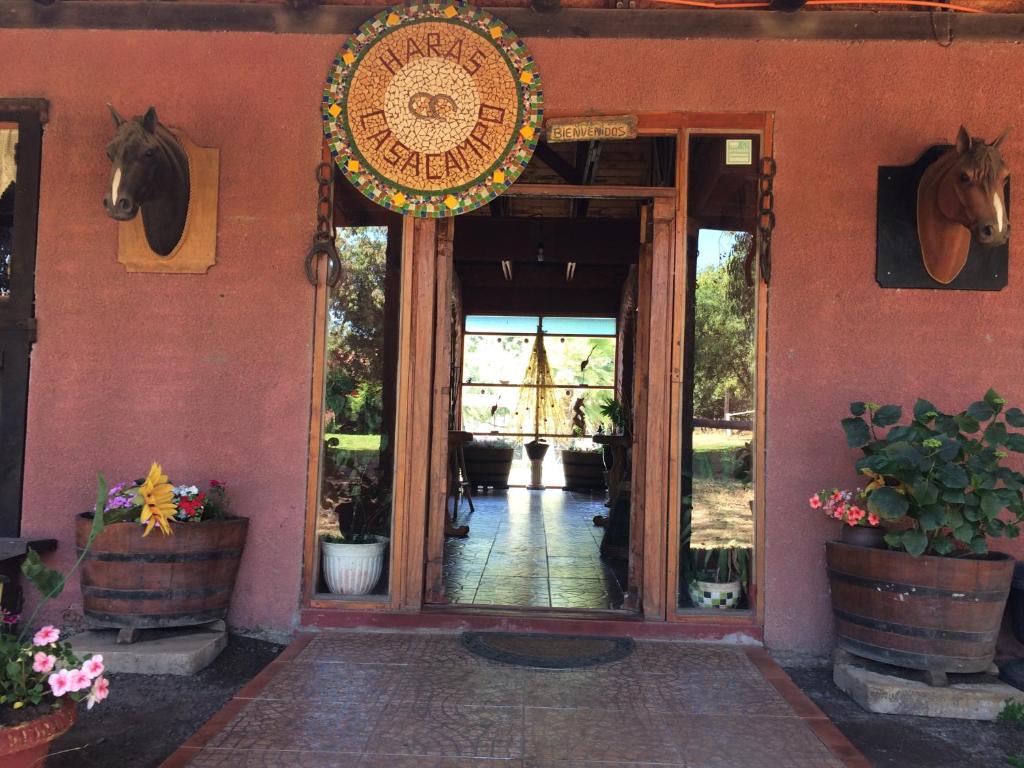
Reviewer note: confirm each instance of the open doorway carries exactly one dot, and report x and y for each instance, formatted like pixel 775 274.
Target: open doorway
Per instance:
pixel 546 318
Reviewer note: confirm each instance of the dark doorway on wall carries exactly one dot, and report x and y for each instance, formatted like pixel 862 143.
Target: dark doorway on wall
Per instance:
pixel 21 136
pixel 545 354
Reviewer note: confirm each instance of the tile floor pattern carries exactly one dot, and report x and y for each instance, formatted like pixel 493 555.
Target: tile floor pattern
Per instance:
pixel 386 700
pixel 532 548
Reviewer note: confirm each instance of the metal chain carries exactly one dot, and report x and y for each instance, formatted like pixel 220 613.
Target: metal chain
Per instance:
pixel 323 238
pixel 765 216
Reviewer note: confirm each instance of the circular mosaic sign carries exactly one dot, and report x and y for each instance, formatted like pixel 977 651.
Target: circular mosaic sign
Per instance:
pixel 433 109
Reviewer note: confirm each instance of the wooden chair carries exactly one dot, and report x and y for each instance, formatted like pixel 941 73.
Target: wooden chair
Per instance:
pixel 459 484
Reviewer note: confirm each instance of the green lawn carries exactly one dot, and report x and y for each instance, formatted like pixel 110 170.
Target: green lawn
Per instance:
pixel 354 442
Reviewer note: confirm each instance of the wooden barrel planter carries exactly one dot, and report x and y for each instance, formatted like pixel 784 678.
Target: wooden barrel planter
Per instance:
pixel 938 614
pixel 584 470
pixel 131 582
pixel 488 465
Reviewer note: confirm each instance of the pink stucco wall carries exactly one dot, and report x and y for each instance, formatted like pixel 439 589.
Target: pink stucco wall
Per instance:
pixel 211 374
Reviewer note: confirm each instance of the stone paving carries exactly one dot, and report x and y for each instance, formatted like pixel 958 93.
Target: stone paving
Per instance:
pixel 391 700
pixel 532 549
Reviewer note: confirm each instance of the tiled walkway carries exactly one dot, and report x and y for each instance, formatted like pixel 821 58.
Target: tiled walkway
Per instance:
pixel 385 700
pixel 532 548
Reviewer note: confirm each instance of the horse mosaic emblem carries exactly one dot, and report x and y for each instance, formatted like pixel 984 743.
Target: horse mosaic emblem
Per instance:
pixel 433 110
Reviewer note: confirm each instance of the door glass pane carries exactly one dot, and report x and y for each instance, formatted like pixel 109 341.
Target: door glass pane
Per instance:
pixel 360 389
pixel 8 179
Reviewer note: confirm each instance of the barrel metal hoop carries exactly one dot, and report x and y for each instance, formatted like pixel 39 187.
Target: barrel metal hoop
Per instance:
pixel 912 660
pixel 163 557
pixel 153 620
pixel 983 596
pixel 922 632
pixel 153 594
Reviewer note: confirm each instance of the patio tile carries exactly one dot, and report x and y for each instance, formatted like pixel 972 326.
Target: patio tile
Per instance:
pixel 634 734
pixel 579 593
pixel 748 742
pixel 711 695
pixel 335 682
pixel 359 648
pixel 575 568
pixel 582 689
pixel 512 591
pixel 299 725
pixel 445 728
pixel 260 758
pixel 423 761
pixel 461 684
pixel 692 658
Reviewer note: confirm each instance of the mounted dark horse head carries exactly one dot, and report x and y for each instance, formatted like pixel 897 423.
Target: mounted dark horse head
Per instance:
pixel 149 172
pixel 962 195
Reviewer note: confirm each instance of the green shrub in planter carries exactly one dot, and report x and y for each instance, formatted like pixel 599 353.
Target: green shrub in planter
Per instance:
pixel 940 482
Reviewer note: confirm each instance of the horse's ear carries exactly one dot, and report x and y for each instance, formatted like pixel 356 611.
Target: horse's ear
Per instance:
pixel 118 120
pixel 149 120
pixel 1002 136
pixel 963 141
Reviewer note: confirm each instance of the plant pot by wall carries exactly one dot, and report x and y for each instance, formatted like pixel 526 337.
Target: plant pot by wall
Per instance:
pixel 536 450
pixel 353 569
pixel 940 614
pixel 712 594
pixel 1017 602
pixel 27 744
pixel 863 536
pixel 488 465
pixel 180 580
pixel 584 470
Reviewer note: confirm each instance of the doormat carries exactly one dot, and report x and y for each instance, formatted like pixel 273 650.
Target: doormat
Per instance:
pixel 547 651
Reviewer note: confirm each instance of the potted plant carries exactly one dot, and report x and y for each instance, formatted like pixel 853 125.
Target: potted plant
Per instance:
pixel 135 582
pixel 941 488
pixel 41 680
pixel 718 576
pixel 862 528
pixel 353 559
pixel 489 462
pixel 583 465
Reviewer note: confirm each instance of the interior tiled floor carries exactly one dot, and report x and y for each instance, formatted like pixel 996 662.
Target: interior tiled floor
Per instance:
pixel 532 548
pixel 386 700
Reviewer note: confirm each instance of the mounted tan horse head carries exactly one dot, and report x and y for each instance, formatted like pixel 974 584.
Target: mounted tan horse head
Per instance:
pixel 962 195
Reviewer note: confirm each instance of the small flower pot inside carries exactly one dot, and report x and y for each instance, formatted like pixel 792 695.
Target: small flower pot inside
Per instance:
pixel 488 465
pixel 938 614
pixel 135 582
pixel 26 745
pixel 584 470
pixel 353 569
pixel 713 594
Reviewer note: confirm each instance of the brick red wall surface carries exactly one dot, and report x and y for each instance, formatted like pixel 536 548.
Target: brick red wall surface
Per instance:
pixel 211 374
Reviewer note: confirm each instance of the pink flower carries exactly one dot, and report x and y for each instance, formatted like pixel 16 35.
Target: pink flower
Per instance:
pixel 78 680
pixel 43 662
pixel 59 683
pixel 815 502
pixel 93 667
pixel 46 635
pixel 873 519
pixel 100 689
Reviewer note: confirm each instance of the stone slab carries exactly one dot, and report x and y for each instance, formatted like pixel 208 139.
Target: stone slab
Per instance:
pixel 180 651
pixel 981 697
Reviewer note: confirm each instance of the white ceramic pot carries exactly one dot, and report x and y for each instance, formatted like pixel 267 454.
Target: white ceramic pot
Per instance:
pixel 711 594
pixel 353 569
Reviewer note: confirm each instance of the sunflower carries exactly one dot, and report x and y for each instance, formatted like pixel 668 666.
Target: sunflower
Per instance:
pixel 156 496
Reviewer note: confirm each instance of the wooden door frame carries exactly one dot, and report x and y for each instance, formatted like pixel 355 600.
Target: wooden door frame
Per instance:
pixel 420 391
pixel 648 487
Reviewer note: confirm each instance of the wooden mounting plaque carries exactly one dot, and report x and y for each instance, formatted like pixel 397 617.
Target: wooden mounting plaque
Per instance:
pixel 615 127
pixel 196 252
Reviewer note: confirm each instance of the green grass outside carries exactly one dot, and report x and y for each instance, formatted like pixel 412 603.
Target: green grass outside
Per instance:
pixel 354 442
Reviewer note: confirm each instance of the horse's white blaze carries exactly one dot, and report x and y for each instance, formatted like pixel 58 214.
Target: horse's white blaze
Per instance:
pixel 115 186
pixel 997 202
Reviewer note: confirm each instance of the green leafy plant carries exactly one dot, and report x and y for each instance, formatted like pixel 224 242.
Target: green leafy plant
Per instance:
pixel 720 565
pixel 939 483
pixel 362 501
pixel 1015 762
pixel 618 414
pixel 1012 712
pixel 39 672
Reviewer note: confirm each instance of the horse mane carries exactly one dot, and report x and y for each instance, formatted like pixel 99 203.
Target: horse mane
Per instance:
pixel 983 162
